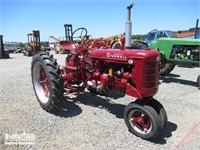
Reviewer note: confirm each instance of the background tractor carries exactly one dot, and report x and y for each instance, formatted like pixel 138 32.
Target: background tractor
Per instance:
pixel 113 42
pixel 33 44
pixel 3 53
pixel 98 43
pixel 69 36
pixel 134 72
pixel 174 51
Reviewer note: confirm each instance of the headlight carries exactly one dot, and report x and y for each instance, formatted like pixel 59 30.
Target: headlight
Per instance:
pixel 130 61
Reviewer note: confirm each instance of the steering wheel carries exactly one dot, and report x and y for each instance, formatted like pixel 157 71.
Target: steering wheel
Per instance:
pixel 82 36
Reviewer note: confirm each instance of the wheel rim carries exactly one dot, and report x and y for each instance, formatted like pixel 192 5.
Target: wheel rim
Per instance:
pixel 40 81
pixel 140 122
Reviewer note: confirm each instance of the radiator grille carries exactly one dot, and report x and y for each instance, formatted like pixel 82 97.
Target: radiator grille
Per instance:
pixel 149 74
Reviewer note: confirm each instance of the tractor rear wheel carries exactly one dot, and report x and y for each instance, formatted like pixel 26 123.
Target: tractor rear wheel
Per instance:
pixel 139 45
pixel 47 81
pixel 166 68
pixel 116 45
pixel 6 54
pixel 142 121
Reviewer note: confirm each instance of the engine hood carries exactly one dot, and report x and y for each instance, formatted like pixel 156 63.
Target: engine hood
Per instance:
pixel 124 54
pixel 178 41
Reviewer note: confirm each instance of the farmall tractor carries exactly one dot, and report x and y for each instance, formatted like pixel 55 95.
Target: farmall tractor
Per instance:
pixel 134 72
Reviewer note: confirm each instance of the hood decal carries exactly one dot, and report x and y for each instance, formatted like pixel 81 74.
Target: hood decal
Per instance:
pixel 115 55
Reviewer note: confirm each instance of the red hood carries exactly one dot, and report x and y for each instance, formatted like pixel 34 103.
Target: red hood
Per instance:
pixel 124 54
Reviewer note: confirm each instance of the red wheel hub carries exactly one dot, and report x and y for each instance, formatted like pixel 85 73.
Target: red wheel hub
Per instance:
pixel 44 82
pixel 141 121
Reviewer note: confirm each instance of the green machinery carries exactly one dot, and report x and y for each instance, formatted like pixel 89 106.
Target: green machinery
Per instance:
pixel 177 51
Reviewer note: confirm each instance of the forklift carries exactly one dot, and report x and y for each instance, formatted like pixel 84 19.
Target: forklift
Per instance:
pixel 33 44
pixel 3 53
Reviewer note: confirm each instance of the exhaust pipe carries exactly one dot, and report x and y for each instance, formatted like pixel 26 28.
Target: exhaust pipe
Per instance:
pixel 196 29
pixel 128 28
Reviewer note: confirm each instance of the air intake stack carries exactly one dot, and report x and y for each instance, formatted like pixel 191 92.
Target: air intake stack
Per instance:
pixel 128 27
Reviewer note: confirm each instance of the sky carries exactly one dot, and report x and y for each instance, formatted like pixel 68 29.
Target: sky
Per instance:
pixel 101 18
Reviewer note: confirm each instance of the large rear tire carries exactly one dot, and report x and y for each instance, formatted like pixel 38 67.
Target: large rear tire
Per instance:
pixel 6 54
pixel 116 45
pixel 139 45
pixel 142 121
pixel 29 53
pixel 47 81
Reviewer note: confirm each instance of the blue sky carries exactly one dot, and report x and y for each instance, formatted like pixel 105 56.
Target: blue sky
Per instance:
pixel 101 18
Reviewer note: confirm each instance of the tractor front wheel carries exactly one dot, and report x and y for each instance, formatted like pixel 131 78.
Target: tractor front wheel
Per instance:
pixel 158 107
pixel 142 121
pixel 47 81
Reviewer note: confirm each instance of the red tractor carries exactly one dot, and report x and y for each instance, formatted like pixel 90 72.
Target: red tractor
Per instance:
pixel 134 72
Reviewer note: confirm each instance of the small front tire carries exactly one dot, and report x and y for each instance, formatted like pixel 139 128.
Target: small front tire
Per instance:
pixel 142 121
pixel 160 111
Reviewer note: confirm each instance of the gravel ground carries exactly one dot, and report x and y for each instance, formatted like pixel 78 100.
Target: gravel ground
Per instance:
pixel 87 121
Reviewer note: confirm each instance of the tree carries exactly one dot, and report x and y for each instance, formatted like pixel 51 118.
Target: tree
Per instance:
pixel 22 44
pixel 44 43
pixel 139 37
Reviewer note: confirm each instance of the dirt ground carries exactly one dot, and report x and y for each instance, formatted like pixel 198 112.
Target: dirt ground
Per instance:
pixel 87 121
